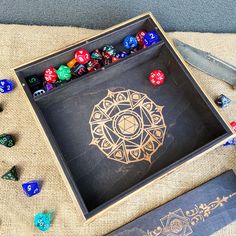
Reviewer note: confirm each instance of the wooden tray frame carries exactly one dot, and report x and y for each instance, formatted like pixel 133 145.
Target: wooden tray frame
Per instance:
pixel 44 129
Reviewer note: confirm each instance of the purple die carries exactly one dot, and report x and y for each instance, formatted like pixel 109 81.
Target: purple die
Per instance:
pixel 31 188
pixel 48 87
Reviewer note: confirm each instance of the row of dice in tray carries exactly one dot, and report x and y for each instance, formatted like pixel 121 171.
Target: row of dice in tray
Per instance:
pixel 85 62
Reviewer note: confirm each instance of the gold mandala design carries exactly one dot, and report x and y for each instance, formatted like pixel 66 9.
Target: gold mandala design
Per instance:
pixel 127 126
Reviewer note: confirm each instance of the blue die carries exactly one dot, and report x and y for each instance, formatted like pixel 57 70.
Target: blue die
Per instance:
pixel 6 85
pixel 121 54
pixel 31 188
pixel 130 42
pixel 222 101
pixel 150 38
pixel 231 142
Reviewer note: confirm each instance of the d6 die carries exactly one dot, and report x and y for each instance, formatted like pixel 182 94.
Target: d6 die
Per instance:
pixel 31 188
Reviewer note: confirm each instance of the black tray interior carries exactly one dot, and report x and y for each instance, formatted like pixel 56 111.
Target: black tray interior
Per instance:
pixel 191 123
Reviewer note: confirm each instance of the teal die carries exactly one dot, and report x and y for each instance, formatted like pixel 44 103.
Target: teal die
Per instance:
pixel 42 221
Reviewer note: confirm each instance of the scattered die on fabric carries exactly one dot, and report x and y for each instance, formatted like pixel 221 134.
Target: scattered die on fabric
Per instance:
pixel 7 140
pixel 233 125
pixel 6 86
pixel 11 174
pixel 42 221
pixel 157 77
pixel 222 101
pixel 231 142
pixel 31 188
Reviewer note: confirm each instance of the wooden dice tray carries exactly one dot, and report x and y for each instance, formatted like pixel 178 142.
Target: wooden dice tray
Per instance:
pixel 192 123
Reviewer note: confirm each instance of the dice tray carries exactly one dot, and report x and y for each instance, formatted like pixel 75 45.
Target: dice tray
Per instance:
pixel 96 181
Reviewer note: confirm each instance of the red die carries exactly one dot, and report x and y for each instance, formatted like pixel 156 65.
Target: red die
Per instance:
pixel 140 36
pixel 93 65
pixel 50 75
pixel 157 77
pixel 233 124
pixel 82 56
pixel 114 59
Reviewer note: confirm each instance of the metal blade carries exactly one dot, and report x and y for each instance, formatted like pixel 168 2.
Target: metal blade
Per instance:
pixel 207 63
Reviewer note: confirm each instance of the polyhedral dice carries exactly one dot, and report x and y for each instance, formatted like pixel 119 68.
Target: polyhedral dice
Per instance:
pixel 82 56
pixel 222 101
pixel 79 70
pixel 34 83
pixel 233 124
pixel 115 59
pixel 107 59
pixel 150 38
pixel 6 85
pixel 157 77
pixel 109 49
pixel 231 142
pixel 93 65
pixel 71 63
pixel 96 54
pixel 7 140
pixel 64 73
pixel 31 188
pixel 121 55
pixel 50 75
pixel 43 221
pixel 11 174
pixel 140 36
pixel 130 42
pixel 48 87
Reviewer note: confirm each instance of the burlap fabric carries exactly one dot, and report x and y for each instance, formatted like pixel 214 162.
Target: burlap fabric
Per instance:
pixel 19 44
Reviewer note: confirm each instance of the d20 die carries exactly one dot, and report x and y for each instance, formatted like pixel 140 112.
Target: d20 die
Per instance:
pixel 31 188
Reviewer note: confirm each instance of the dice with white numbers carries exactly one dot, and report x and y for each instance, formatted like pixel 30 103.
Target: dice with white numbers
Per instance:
pixel 157 77
pixel 31 188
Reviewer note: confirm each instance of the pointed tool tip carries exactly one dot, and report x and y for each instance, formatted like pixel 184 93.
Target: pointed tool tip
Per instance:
pixel 177 42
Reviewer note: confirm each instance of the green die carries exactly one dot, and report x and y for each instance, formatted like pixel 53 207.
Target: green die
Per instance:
pixel 11 174
pixel 7 140
pixel 64 73
pixel 110 50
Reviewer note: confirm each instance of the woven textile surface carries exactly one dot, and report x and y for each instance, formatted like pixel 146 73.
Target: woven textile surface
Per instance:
pixel 31 155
